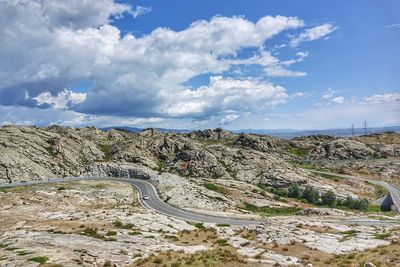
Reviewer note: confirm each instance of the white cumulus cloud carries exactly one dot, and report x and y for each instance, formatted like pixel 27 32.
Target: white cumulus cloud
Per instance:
pixel 62 100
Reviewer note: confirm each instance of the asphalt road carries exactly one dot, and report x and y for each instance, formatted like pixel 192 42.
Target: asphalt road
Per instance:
pixel 394 191
pixel 155 203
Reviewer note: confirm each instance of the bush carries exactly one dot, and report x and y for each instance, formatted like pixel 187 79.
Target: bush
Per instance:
pixel 222 242
pixel 111 233
pixel 311 195
pixel 40 259
pixel 200 226
pixel 134 233
pixel 279 192
pixel 357 204
pixel 329 198
pixel 294 191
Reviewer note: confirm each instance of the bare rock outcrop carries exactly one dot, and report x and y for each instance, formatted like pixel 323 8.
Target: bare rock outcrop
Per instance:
pixel 342 149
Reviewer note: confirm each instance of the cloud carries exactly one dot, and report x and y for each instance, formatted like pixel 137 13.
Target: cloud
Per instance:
pixel 395 26
pixel 313 34
pixel 62 100
pixel 133 76
pixel 329 97
pixel 47 46
pixel 228 119
pixel 139 11
pixel 224 94
pixel 272 66
pixel 328 94
pixel 338 100
pixel 383 98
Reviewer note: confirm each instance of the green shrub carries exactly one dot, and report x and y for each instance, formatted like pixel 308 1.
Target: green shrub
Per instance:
pixel 294 191
pixel 216 188
pixel 119 224
pixel 92 232
pixel 134 233
pixel 199 226
pixel 160 166
pixel 279 192
pixel 271 211
pixel 111 233
pixel 328 198
pixel 39 259
pixel 222 242
pixel 356 204
pixel 311 195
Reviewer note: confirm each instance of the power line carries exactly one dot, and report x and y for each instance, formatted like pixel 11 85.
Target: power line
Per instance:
pixel 365 124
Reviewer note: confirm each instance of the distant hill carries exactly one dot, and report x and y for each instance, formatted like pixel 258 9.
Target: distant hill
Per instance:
pixel 284 133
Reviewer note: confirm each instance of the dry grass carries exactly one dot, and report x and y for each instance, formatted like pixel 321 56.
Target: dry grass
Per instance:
pixel 219 257
pixel 206 236
pixel 383 256
pixel 299 250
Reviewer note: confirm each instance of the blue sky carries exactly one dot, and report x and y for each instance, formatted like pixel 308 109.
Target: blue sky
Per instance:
pixel 200 64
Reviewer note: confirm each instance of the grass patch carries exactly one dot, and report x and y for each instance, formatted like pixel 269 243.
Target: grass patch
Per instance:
pixel 299 151
pixel 39 259
pixel 222 242
pixel 134 233
pixel 271 211
pixel 215 188
pixel 382 235
pixel 222 256
pixel 23 253
pixel 51 151
pixel 223 225
pixel 120 225
pixel 92 232
pixel 111 233
pixel 380 256
pixel 105 148
pixel 160 166
pixel 350 233
pixel 331 177
pixel 200 226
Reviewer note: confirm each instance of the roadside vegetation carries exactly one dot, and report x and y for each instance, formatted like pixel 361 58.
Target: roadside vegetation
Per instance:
pixel 271 211
pixel 327 199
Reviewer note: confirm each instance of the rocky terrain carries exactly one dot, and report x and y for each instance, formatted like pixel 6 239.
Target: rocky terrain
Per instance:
pixel 238 164
pixel 211 171
pixel 100 223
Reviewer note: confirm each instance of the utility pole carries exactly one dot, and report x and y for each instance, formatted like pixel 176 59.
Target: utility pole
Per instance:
pixel 352 129
pixel 365 127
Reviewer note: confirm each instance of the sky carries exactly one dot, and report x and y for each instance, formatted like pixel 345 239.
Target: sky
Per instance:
pixel 200 64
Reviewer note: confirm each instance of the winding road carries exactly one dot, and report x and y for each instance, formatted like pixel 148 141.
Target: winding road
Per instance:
pixel 154 202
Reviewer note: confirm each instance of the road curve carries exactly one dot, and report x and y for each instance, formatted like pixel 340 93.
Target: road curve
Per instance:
pixel 154 203
pixel 394 191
